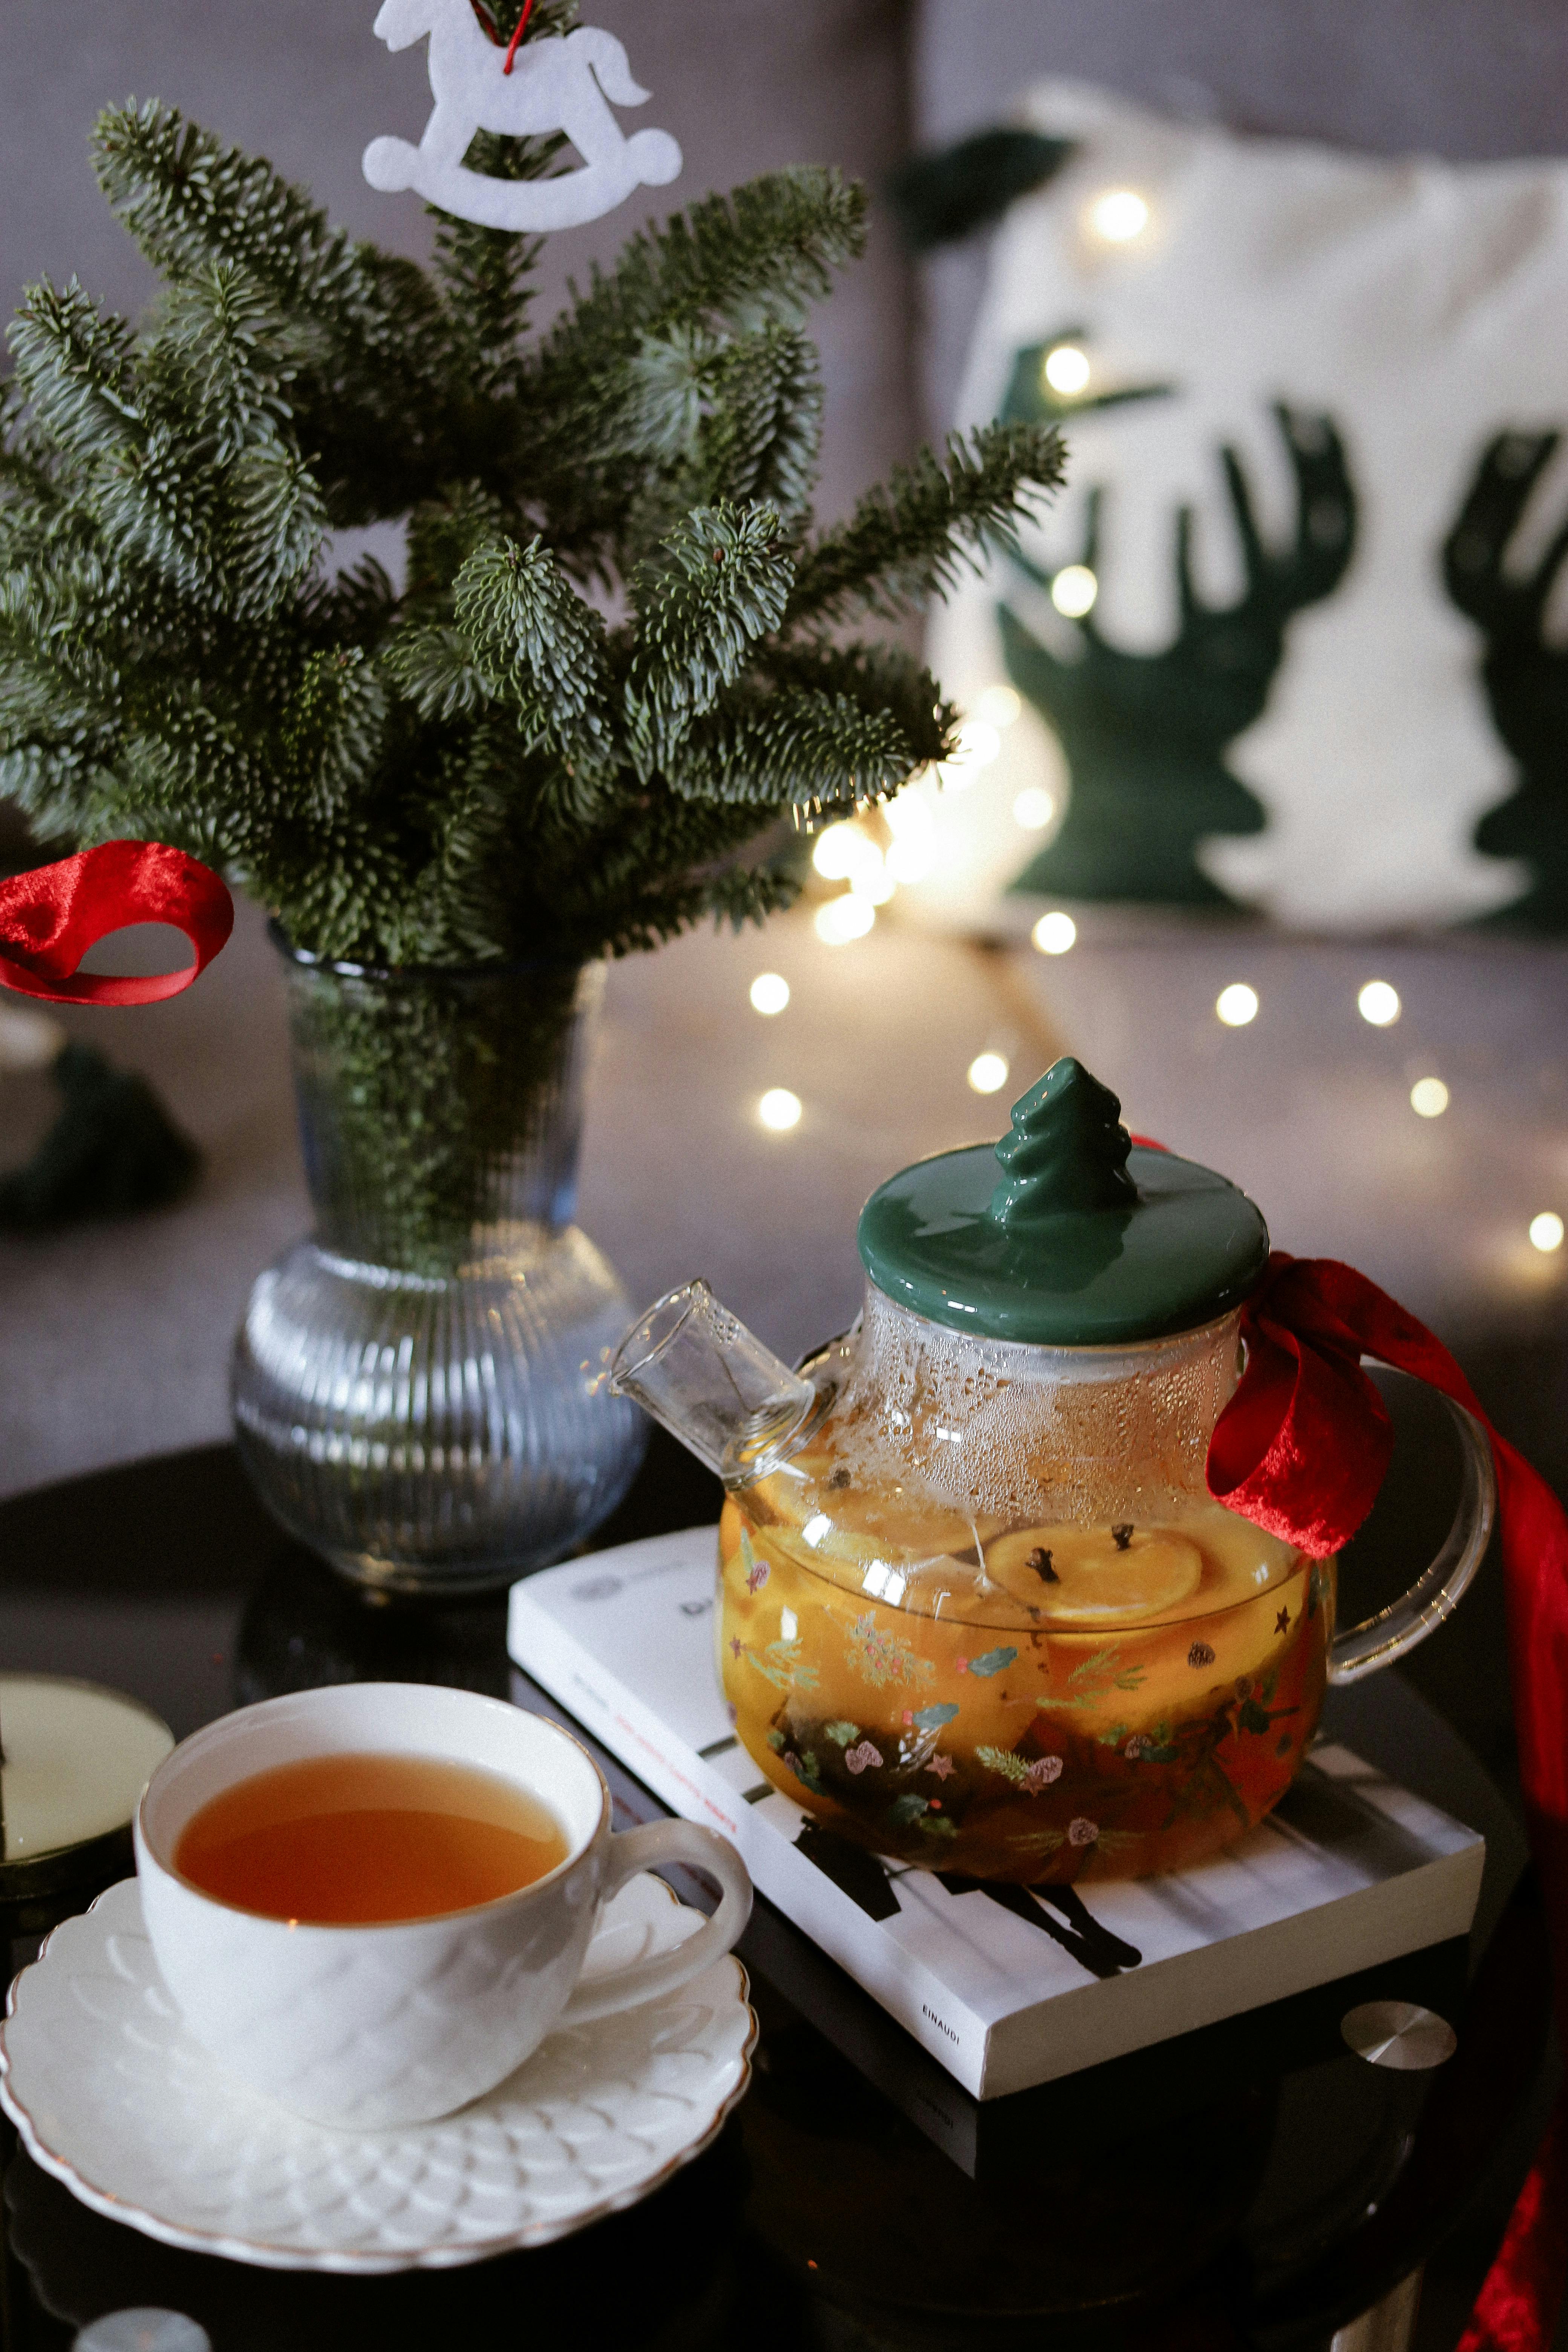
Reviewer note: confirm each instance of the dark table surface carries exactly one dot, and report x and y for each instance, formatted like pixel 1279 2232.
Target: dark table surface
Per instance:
pixel 1250 2184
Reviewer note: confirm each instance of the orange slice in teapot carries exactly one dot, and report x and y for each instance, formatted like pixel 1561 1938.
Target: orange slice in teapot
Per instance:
pixel 868 1517
pixel 1096 1576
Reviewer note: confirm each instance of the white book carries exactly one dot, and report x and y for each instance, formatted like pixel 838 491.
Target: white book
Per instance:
pixel 1005 1987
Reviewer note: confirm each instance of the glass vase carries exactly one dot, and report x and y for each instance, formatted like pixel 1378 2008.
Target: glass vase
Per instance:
pixel 418 1389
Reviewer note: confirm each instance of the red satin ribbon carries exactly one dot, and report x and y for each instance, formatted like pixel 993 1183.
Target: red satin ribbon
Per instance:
pixel 51 916
pixel 1302 1449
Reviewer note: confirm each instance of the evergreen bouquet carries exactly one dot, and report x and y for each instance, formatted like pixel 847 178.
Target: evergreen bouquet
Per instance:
pixel 618 660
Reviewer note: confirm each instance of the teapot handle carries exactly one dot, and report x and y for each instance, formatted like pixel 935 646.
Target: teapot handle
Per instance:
pixel 1379 1640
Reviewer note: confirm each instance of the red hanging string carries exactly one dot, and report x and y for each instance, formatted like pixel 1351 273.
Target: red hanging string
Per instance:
pixel 521 28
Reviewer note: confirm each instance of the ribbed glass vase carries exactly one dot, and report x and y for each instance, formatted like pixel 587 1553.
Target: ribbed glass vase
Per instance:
pixel 418 1391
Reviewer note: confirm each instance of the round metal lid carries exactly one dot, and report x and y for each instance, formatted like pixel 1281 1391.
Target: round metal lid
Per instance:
pixel 1065 1234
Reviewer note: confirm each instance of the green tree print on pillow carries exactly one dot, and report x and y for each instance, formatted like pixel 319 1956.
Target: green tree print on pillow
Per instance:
pixel 1525 676
pixel 1144 735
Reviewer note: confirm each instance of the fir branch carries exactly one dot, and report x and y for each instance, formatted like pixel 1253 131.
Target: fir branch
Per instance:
pixel 74 372
pixel 762 436
pixel 771 247
pixel 375 393
pixel 801 747
pixel 737 895
pixel 54 676
pixel 722 419
pixel 434 666
pixel 191 203
pixel 211 351
pixel 485 275
pixel 874 678
pixel 729 264
pixel 332 732
pixel 278 523
pixel 444 532
pixel 720 583
pixel 537 644
pixel 914 537
pixel 156 510
pixel 183 775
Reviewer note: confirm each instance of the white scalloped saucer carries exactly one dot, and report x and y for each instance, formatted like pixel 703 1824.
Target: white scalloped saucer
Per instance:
pixel 113 2097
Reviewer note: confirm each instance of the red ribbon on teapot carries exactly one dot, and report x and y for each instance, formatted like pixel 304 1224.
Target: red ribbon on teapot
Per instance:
pixel 1302 1449
pixel 50 917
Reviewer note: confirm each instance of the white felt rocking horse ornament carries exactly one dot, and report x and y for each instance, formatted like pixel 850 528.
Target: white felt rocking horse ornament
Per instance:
pixel 558 84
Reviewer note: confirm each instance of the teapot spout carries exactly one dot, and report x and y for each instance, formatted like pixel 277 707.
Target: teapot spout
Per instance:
pixel 712 1385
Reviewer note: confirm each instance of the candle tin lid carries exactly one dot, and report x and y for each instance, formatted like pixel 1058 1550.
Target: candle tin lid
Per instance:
pixel 74 1759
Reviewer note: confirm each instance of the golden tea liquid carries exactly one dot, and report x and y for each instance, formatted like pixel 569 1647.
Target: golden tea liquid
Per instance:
pixel 1034 1703
pixel 358 1839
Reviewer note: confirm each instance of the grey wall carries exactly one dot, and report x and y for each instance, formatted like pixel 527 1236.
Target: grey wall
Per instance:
pixel 1466 79
pixel 745 86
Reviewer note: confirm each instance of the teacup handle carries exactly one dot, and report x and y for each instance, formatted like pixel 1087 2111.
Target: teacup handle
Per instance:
pixel 645 1849
pixel 1378 1641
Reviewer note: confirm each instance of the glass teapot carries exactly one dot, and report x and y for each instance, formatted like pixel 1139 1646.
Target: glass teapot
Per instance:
pixel 978 1610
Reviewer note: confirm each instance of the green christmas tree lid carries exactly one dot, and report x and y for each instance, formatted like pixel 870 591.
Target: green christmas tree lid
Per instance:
pixel 1066 1234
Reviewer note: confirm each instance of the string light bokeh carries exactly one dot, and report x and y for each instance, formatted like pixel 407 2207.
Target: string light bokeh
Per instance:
pixel 1236 1005
pixel 1379 1004
pixel 1118 215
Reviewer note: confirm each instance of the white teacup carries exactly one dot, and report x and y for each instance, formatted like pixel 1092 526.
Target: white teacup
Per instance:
pixel 370 2026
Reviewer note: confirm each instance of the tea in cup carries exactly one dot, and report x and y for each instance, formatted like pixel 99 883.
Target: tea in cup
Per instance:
pixel 373 1902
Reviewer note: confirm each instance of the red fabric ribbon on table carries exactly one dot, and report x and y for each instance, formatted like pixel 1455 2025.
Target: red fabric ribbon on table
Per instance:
pixel 50 917
pixel 1302 1449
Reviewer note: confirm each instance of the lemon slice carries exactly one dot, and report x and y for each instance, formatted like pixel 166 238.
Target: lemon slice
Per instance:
pixel 881 1518
pixel 1095 1576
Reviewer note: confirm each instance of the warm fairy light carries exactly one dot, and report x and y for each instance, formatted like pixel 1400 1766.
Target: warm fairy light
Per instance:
pixel 28 1040
pixel 1033 808
pixel 837 850
pixel 779 1109
pixel 999 706
pixel 1065 369
pixel 1120 214
pixel 910 861
pixel 1546 1231
pixel 909 818
pixel 1073 590
pixel 1428 1098
pixel 846 853
pixel 979 742
pixel 874 882
pixel 1378 1003
pixel 845 918
pixel 770 993
pixel 987 1073
pixel 1236 1005
pixel 977 745
pixel 1053 933
pixel 828 854
pixel 912 850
